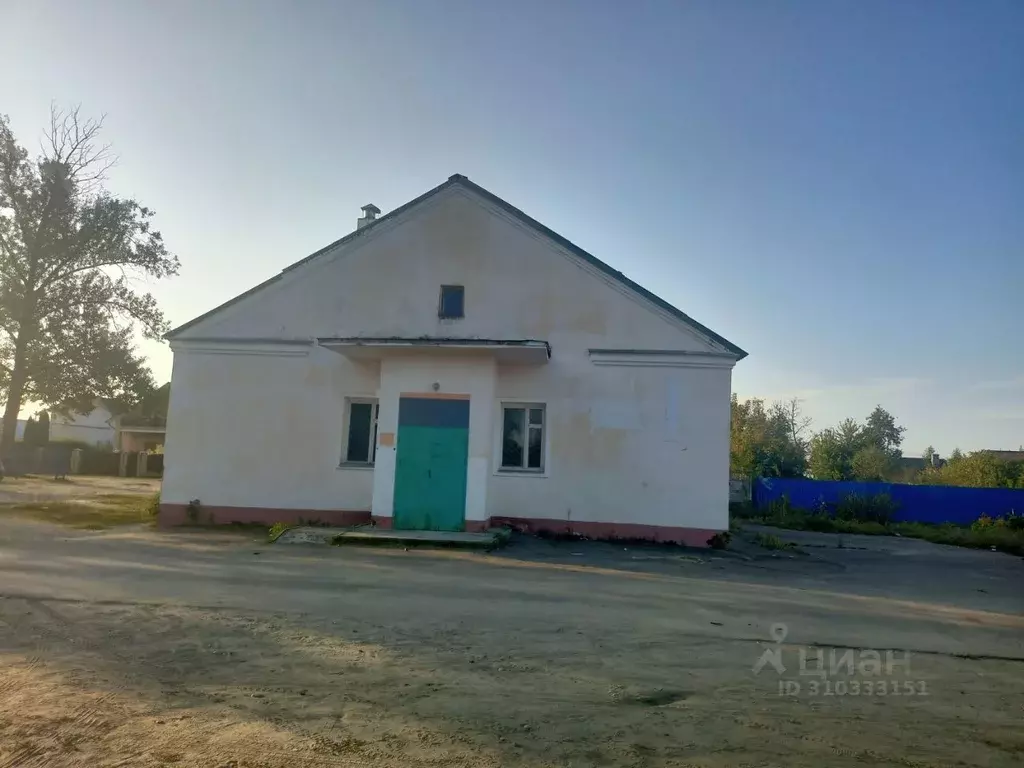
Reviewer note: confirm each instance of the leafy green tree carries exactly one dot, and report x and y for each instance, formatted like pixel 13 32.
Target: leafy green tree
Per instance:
pixel 767 442
pixel 872 464
pixel 830 455
pixel 29 435
pixel 852 451
pixel 980 469
pixel 43 425
pixel 156 401
pixel 882 432
pixel 833 449
pixel 69 255
pixel 850 435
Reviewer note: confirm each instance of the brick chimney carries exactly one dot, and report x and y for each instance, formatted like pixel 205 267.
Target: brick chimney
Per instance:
pixel 370 212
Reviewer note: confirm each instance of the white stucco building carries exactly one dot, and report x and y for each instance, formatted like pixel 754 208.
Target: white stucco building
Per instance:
pixel 95 427
pixel 452 365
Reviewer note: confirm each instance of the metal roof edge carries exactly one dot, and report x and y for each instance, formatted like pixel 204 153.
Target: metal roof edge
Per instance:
pixel 661 352
pixel 596 262
pixel 389 216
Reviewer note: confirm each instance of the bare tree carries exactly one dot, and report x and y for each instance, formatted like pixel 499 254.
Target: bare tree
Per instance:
pixel 69 256
pixel 791 413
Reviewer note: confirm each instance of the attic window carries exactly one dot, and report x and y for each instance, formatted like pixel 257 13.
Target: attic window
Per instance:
pixel 452 302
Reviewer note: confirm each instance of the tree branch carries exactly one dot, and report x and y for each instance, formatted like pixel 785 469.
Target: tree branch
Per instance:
pixel 72 144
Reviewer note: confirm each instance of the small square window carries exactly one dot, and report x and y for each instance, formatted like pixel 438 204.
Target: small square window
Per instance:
pixel 452 302
pixel 522 438
pixel 361 432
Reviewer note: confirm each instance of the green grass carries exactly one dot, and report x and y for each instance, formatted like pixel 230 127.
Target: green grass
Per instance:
pixel 1001 538
pixel 92 513
pixel 771 541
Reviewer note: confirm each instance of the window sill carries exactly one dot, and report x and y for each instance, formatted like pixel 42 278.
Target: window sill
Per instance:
pixel 354 465
pixel 502 472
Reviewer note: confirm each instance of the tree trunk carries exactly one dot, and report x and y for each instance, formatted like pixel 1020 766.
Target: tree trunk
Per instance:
pixel 15 391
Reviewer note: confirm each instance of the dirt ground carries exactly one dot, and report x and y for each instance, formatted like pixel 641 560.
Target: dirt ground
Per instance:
pixel 35 489
pixel 142 648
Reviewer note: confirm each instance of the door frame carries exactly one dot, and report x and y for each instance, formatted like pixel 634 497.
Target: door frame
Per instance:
pixel 398 446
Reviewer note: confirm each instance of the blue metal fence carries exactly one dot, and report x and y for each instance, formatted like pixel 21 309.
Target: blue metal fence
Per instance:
pixel 917 503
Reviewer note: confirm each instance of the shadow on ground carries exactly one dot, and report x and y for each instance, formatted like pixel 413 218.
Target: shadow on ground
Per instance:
pixel 198 649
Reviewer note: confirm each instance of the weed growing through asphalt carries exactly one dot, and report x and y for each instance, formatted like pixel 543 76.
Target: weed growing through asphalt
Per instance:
pixel 771 541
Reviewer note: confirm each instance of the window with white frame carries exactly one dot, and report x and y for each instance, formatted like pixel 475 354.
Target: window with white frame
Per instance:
pixel 360 431
pixel 522 437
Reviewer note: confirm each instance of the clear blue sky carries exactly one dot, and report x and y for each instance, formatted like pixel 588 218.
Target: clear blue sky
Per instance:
pixel 838 187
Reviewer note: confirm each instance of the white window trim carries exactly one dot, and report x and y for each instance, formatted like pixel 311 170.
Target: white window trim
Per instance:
pixel 499 420
pixel 343 462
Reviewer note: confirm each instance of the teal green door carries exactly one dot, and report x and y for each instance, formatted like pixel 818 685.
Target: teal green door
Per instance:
pixel 430 468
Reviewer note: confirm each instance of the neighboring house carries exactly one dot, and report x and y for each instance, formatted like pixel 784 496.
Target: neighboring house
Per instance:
pixel 452 365
pixel 124 432
pixel 95 427
pixel 139 433
pixel 909 467
pixel 1011 456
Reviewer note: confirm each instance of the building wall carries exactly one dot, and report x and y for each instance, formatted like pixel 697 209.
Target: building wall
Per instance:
pixel 418 374
pixel 624 445
pixel 93 427
pixel 645 445
pixel 140 441
pixel 386 283
pixel 259 425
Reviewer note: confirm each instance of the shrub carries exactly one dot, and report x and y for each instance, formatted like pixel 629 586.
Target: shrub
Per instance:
pixel 771 541
pixel 153 505
pixel 720 540
pixel 742 509
pixel 986 536
pixel 778 509
pixel 277 529
pixel 873 515
pixel 879 508
pixel 1014 521
pixel 821 523
pixel 982 523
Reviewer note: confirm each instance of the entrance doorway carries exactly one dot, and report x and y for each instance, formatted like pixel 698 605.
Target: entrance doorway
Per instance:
pixel 430 465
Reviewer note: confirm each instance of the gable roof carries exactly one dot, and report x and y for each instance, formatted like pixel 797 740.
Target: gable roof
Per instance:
pixel 460 180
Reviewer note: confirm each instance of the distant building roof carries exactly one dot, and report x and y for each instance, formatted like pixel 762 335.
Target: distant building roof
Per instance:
pixel 137 420
pixel 1008 455
pixel 918 463
pixel 913 462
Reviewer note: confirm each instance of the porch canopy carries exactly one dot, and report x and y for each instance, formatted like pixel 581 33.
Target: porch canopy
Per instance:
pixel 516 351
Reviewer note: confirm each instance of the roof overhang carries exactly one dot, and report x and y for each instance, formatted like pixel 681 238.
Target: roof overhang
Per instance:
pixel 517 351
